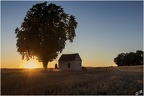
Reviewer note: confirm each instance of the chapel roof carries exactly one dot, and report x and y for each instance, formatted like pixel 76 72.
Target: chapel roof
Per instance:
pixel 69 57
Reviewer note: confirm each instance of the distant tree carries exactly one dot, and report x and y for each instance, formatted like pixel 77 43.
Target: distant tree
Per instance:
pixel 119 60
pixel 139 56
pixel 128 59
pixel 44 32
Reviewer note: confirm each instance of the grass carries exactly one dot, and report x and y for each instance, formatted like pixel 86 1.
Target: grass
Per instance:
pixel 95 81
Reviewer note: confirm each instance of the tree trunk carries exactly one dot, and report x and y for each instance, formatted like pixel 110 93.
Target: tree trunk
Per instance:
pixel 45 63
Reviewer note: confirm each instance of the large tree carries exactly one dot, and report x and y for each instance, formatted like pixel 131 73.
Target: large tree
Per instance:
pixel 44 32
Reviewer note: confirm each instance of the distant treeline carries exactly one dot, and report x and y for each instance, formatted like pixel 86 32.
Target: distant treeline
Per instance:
pixel 128 59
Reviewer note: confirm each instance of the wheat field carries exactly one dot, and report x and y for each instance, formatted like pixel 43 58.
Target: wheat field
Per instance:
pixel 126 80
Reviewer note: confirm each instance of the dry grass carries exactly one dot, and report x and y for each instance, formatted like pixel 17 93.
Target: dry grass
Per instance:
pixel 101 81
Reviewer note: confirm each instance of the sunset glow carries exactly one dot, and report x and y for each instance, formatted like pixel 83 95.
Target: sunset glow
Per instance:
pixel 30 65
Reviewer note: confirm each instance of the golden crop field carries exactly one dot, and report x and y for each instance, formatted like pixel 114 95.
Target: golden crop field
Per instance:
pixel 125 80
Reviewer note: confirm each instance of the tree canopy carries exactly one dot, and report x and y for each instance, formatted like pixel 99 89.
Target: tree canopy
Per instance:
pixel 44 32
pixel 128 59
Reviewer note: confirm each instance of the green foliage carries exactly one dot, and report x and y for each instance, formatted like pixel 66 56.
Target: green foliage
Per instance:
pixel 127 59
pixel 44 32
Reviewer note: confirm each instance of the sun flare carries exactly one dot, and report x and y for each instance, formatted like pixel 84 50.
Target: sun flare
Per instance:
pixel 30 65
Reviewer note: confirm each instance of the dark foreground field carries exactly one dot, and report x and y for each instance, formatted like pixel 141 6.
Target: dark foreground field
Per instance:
pixel 111 80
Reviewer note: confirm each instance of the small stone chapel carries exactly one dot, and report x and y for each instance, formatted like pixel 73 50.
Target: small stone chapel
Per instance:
pixel 70 62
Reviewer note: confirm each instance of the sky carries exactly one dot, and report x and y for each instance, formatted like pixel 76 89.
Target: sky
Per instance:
pixel 105 29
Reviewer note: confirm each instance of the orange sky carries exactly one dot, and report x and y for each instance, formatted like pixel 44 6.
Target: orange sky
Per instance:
pixel 15 61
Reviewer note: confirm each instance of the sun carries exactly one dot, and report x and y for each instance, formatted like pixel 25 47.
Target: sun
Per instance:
pixel 30 65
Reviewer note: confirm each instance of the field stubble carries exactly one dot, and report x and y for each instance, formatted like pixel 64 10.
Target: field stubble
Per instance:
pixel 99 81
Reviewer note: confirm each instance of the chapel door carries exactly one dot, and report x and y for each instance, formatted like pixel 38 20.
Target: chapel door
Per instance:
pixel 68 65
